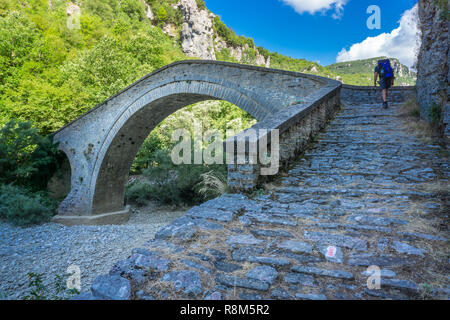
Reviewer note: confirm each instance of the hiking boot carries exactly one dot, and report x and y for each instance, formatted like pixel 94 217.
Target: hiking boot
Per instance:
pixel 385 105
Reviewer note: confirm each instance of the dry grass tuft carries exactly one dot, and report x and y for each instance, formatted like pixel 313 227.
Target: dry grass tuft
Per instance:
pixel 212 184
pixel 410 108
pixel 410 113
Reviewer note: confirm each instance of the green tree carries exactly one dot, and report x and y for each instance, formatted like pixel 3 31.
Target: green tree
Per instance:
pixel 17 38
pixel 26 158
pixel 135 9
pixel 161 15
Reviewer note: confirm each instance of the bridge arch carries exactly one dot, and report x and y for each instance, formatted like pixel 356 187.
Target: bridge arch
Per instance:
pixel 102 144
pixel 132 127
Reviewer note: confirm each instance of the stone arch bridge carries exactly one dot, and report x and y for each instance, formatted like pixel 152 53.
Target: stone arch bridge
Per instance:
pixel 102 144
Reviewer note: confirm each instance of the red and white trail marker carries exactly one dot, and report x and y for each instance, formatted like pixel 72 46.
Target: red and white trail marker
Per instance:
pixel 331 251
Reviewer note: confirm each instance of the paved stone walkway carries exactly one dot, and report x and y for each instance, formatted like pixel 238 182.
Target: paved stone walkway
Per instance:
pixel 367 193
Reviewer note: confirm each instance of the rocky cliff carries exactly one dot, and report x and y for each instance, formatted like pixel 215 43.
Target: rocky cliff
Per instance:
pixel 197 31
pixel 433 63
pixel 198 37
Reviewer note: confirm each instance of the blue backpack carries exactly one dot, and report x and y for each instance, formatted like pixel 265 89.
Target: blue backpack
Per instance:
pixel 385 68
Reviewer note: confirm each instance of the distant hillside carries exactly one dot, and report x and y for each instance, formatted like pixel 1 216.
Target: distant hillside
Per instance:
pixel 360 72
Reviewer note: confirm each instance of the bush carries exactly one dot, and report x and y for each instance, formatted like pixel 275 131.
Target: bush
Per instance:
pixel 27 162
pixel 138 193
pixel 38 291
pixel 212 185
pixel 161 15
pixel 435 115
pixel 249 56
pixel 135 9
pixel 146 155
pixel 165 13
pixel 185 188
pixel 264 52
pixel 201 4
pixel 225 55
pixel 443 7
pixel 410 108
pixel 230 36
pixel 22 208
pixel 26 158
pixel 175 184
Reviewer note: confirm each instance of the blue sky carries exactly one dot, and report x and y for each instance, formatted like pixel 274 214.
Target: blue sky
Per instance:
pixel 318 30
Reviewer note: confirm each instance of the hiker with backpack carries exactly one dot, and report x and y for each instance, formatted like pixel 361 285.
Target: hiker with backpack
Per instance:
pixel 384 70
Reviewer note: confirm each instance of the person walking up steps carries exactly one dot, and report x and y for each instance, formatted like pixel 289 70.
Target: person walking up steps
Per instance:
pixel 384 70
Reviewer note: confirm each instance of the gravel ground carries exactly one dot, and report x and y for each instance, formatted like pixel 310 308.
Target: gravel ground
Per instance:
pixel 49 249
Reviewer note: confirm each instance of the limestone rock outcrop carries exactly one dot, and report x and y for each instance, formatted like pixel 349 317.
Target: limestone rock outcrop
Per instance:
pixel 400 69
pixel 149 12
pixel 239 53
pixel 199 40
pixel 197 31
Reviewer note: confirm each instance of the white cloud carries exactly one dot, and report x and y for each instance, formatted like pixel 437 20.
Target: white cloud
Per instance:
pixel 313 6
pixel 402 43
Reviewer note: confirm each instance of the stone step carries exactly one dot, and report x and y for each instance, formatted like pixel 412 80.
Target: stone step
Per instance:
pixel 323 272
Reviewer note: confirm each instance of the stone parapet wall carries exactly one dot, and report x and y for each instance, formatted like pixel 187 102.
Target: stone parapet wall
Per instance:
pixel 297 126
pixel 369 95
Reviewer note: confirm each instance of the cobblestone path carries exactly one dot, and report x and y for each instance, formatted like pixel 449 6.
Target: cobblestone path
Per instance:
pixel 367 193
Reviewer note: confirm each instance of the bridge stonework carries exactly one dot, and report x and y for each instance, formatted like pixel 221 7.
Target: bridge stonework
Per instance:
pixel 296 129
pixel 102 144
pixel 367 95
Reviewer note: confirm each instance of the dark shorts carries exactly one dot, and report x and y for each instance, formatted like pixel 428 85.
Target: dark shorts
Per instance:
pixel 385 83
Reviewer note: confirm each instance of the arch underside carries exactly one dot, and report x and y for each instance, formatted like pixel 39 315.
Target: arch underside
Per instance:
pixel 114 172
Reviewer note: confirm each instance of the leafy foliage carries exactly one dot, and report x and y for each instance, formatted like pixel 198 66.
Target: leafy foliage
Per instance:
pixel 201 4
pixel 443 7
pixel 225 55
pixel 229 35
pixel 435 115
pixel 279 61
pixel 219 116
pixel 38 291
pixel 27 160
pixel 23 208
pixel 50 74
pixel 26 157
pixel 172 184
pixel 264 52
pixel 165 12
